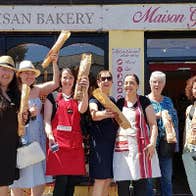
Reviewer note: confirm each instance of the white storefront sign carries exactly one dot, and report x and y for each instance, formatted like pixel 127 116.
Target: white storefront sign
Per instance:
pixel 98 17
pixel 124 61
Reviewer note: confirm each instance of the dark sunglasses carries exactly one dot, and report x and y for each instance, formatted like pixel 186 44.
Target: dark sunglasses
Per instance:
pixel 109 78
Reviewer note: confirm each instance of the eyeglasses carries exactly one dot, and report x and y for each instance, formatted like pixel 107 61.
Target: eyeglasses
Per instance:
pixel 109 78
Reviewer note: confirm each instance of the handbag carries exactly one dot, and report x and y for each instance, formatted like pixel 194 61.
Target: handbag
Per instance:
pixel 29 154
pixel 166 149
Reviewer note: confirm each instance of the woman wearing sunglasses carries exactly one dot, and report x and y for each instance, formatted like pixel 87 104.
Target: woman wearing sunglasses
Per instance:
pixel 102 138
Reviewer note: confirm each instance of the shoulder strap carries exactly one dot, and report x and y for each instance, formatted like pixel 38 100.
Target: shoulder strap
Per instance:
pixel 120 103
pixel 54 103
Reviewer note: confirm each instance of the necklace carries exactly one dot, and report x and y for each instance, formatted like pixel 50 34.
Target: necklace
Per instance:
pixel 66 96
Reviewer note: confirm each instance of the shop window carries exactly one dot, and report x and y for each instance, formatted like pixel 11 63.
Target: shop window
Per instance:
pixel 30 51
pixel 68 56
pixel 71 56
pixel 174 47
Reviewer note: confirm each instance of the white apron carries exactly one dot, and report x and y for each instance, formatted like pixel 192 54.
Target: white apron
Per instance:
pixel 132 164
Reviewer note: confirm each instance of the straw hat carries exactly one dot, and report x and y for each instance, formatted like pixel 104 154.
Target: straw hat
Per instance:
pixel 28 66
pixel 8 62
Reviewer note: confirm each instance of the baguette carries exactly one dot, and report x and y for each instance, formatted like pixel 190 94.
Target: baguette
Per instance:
pixel 84 70
pixel 64 35
pixel 23 108
pixel 107 103
pixel 169 127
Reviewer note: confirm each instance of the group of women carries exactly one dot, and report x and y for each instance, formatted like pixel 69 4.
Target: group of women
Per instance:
pixel 129 156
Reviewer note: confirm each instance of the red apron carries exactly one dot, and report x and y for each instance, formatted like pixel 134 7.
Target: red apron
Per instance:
pixel 69 159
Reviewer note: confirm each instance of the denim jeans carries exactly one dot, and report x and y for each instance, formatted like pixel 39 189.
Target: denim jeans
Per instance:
pixel 165 180
pixel 166 176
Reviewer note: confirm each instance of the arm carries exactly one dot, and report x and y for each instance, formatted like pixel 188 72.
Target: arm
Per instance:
pixel 151 118
pixel 47 121
pixel 47 87
pixel 100 115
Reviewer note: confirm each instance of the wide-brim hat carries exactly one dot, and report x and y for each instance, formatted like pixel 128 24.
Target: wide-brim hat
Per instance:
pixel 28 66
pixel 8 62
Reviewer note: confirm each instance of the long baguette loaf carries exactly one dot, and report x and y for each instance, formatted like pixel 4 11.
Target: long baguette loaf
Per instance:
pixel 84 70
pixel 107 103
pixel 23 108
pixel 64 35
pixel 169 128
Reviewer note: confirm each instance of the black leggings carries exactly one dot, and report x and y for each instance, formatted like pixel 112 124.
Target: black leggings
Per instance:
pixel 64 186
pixel 139 188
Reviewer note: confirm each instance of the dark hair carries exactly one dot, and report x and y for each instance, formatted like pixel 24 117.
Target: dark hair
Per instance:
pixel 14 94
pixel 135 77
pixel 188 88
pixel 101 72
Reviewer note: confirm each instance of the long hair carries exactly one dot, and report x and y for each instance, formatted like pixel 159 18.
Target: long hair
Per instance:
pixel 14 94
pixel 188 88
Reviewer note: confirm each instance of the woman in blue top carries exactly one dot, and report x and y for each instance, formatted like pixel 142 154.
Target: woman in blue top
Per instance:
pixel 102 138
pixel 160 103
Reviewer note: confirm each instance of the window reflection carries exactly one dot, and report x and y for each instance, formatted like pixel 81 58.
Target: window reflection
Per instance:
pixel 69 55
pixel 30 51
pixel 171 47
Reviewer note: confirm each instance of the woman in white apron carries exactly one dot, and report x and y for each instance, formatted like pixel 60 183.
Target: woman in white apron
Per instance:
pixel 135 157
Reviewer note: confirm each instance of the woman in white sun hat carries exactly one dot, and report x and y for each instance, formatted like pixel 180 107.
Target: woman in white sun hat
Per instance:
pixel 34 176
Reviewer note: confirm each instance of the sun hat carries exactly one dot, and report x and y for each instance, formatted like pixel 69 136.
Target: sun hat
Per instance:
pixel 28 66
pixel 8 62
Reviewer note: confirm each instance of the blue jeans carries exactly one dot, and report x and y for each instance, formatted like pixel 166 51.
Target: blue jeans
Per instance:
pixel 166 175
pixel 166 178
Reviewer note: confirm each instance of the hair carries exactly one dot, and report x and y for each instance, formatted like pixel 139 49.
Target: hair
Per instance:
pixel 158 74
pixel 135 77
pixel 101 72
pixel 188 88
pixel 14 94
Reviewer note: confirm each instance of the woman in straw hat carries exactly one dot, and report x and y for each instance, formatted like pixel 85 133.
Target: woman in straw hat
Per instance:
pixel 9 105
pixel 34 176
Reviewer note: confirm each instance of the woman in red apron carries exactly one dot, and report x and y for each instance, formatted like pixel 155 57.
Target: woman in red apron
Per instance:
pixel 65 153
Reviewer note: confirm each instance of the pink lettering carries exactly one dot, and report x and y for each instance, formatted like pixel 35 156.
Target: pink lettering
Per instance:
pixel 193 16
pixel 152 15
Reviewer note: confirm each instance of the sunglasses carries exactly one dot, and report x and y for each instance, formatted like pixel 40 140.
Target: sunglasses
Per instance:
pixel 109 78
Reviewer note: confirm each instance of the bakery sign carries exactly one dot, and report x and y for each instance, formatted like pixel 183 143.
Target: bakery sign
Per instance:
pixel 98 17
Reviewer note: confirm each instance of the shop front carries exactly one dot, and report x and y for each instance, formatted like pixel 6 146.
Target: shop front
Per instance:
pixel 123 37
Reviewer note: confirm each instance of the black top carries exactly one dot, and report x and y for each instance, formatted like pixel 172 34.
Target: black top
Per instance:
pixel 144 101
